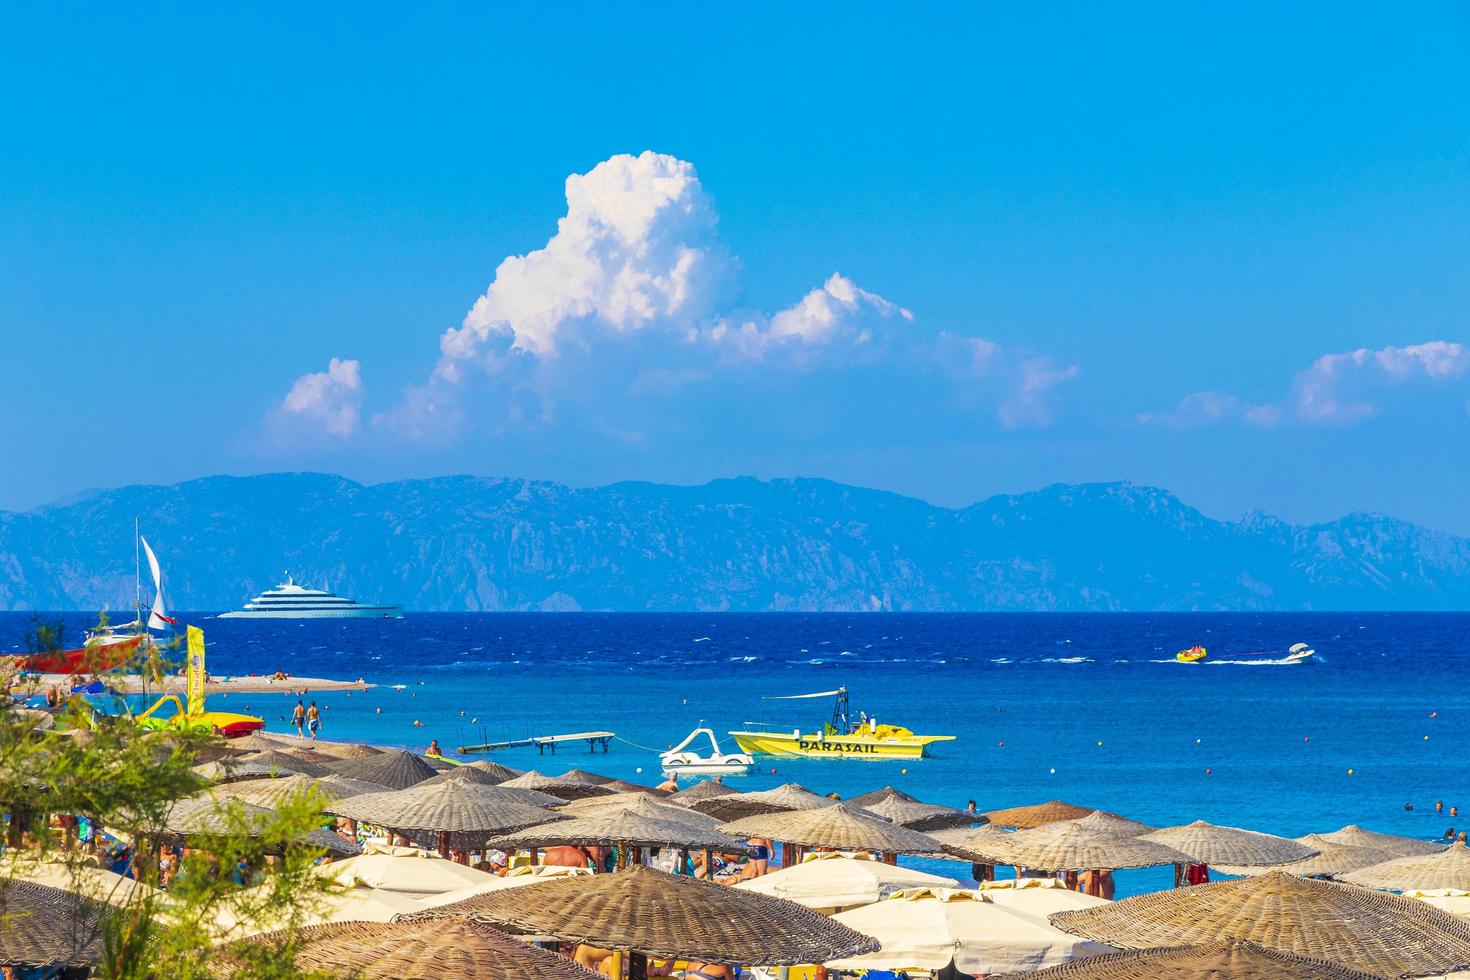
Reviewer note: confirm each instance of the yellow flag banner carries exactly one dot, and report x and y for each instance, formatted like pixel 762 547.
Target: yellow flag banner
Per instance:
pixel 194 677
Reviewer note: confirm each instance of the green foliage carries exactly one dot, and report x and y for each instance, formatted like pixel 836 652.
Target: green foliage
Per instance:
pixel 245 872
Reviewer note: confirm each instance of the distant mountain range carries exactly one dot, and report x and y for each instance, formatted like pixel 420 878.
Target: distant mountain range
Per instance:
pixel 464 543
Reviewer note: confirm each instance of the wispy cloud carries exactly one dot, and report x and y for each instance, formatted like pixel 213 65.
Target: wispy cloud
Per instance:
pixel 1336 389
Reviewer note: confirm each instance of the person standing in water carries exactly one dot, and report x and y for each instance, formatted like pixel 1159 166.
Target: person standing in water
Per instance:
pixel 314 721
pixel 298 718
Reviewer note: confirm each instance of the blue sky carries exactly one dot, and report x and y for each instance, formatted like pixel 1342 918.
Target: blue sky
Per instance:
pixel 950 251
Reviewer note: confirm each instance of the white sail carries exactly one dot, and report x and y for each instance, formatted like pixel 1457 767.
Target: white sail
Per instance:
pixel 158 617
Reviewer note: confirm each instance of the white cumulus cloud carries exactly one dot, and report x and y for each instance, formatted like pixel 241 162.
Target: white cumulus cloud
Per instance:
pixel 330 400
pixel 625 327
pixel 1337 388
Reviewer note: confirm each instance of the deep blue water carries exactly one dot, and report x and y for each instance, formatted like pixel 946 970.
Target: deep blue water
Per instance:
pixel 1086 708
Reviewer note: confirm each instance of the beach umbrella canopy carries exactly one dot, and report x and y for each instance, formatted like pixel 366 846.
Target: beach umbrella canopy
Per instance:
pixel 1205 843
pixel 1455 901
pixel 642 804
pixel 655 914
pixel 556 787
pixel 404 870
pixel 424 951
pixel 464 774
pixel 252 911
pixel 902 809
pixel 1449 868
pixel 623 786
pixel 1110 823
pixel 838 826
pixel 1376 932
pixel 706 789
pixel 47 927
pixel 312 755
pixel 396 770
pixel 495 769
pixel 1210 961
pixel 639 826
pixel 349 750
pixel 258 742
pixel 212 814
pixel 270 792
pixel 513 878
pixel 1400 846
pixel 1037 814
pixel 1069 847
pixel 1330 861
pixel 1038 897
pixel 959 841
pixel 93 883
pixel 582 776
pixel 930 929
pixel 452 808
pixel 828 882
pixel 234 769
pixel 782 799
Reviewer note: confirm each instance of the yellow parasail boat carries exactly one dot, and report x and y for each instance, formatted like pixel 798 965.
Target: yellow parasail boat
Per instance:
pixel 841 737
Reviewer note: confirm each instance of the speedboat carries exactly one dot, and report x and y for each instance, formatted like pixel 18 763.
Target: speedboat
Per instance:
pixel 682 759
pixel 1299 653
pixel 841 738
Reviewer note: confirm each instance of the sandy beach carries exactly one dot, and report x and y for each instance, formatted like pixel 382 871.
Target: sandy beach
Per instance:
pixel 134 684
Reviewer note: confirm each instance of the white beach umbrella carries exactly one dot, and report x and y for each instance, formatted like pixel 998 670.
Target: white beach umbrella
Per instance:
pixel 828 882
pixel 928 929
pixel 356 904
pixel 1455 901
pixel 514 878
pixel 1038 897
pixel 405 870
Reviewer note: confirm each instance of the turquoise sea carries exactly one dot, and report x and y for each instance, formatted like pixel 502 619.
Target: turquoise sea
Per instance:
pixel 1091 709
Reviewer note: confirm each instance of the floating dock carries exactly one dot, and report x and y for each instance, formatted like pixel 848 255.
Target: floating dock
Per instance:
pixel 540 743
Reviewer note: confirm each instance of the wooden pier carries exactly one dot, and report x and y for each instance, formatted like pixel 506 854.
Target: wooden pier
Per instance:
pixel 540 743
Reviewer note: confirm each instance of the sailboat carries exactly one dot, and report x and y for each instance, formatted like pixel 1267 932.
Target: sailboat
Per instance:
pixel 109 646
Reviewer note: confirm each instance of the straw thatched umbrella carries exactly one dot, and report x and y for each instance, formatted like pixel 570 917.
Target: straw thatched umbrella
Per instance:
pixel 422 951
pixel 641 804
pixel 284 762
pixel 582 776
pixel 954 840
pixel 472 813
pixel 351 750
pixel 1330 861
pixel 495 769
pixel 556 787
pixel 1400 846
pixel 1208 844
pixel 396 770
pixel 464 774
pixel 209 815
pixel 833 882
pixel 1449 868
pixel 1371 931
pixel 1068 846
pixel 649 913
pixel 47 928
pixel 1210 961
pixel 782 799
pixel 1037 814
pixel 270 792
pixel 837 826
pixel 939 929
pixel 900 808
pixel 628 827
pixel 623 786
pixel 232 769
pixel 313 755
pixel 1110 823
pixel 258 742
pixel 706 789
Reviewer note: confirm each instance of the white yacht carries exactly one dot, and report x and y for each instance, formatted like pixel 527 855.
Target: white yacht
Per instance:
pixel 291 601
